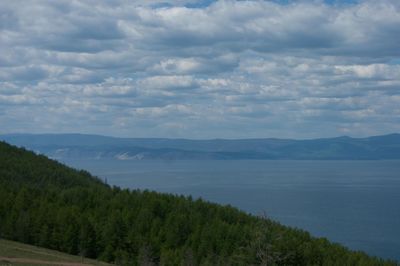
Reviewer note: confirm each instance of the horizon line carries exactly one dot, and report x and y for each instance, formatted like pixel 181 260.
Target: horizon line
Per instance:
pixel 195 139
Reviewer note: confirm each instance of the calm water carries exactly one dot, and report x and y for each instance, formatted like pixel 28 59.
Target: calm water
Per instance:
pixel 355 203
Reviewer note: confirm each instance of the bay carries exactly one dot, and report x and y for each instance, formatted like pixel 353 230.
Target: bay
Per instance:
pixel 355 203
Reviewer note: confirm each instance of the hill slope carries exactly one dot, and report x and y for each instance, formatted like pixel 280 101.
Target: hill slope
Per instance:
pixel 14 253
pixel 47 204
pixel 64 146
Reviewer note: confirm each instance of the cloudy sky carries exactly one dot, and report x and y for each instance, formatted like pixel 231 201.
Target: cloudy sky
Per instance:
pixel 200 69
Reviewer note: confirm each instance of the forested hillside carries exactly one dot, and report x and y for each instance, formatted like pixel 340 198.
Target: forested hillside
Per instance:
pixel 45 203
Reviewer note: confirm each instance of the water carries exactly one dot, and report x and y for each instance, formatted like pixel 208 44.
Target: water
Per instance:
pixel 355 203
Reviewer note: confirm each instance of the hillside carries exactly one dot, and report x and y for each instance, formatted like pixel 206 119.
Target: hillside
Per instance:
pixel 14 253
pixel 47 204
pixel 64 146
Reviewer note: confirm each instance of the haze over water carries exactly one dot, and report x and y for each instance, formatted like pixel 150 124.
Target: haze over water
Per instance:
pixel 350 202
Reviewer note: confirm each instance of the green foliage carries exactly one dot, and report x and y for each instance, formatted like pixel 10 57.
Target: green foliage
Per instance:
pixel 45 203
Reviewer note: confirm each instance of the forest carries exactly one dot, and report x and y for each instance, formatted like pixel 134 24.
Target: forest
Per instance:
pixel 47 204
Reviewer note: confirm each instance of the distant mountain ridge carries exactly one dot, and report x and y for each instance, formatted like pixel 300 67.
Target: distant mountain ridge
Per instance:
pixel 65 146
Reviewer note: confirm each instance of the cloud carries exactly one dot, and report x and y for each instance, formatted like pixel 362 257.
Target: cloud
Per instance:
pixel 168 82
pixel 24 73
pixel 200 69
pixel 190 65
pixel 372 71
pixel 269 27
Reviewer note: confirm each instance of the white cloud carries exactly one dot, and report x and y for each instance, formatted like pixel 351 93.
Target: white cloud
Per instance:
pixel 228 69
pixel 379 71
pixel 168 82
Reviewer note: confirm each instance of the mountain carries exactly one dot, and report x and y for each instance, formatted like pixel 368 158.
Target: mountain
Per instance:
pixel 65 146
pixel 47 204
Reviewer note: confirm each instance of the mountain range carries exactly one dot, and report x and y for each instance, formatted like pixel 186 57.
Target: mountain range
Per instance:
pixel 80 146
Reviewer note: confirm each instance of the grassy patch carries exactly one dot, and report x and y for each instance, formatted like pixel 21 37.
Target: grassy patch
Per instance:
pixel 15 250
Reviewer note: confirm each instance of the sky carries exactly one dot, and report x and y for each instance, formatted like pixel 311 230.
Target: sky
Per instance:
pixel 200 69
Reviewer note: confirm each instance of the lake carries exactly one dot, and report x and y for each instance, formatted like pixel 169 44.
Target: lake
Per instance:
pixel 355 203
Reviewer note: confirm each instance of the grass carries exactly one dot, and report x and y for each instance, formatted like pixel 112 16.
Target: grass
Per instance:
pixel 14 253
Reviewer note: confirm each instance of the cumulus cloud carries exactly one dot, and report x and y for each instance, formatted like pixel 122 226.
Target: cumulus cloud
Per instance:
pixel 200 69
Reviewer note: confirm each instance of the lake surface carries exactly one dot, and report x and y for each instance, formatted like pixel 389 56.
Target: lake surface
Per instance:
pixel 355 203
